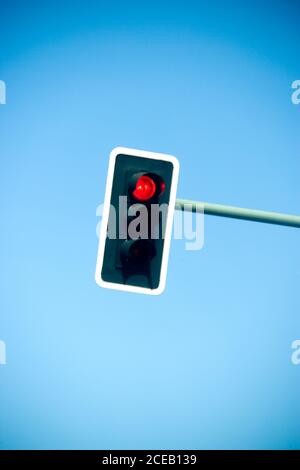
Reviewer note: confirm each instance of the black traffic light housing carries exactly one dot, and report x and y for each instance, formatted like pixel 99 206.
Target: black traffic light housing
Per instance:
pixel 137 221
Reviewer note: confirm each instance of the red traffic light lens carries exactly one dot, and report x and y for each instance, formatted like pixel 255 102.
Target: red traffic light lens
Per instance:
pixel 145 188
pixel 162 186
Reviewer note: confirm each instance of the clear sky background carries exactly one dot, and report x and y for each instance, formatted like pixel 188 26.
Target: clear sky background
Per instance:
pixel 208 363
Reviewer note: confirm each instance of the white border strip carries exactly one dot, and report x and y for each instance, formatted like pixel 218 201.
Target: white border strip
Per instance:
pixel 163 275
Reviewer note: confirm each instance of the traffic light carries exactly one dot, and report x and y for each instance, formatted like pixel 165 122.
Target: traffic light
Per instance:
pixel 137 221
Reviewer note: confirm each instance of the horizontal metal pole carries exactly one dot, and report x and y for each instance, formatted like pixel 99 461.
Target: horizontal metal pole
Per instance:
pixel 238 213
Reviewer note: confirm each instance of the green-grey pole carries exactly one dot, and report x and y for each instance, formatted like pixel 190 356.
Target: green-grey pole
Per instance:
pixel 238 213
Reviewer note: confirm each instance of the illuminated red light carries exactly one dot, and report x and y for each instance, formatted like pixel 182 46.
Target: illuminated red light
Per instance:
pixel 145 188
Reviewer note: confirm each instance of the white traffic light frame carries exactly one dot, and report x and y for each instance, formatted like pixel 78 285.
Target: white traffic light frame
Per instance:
pixel 105 216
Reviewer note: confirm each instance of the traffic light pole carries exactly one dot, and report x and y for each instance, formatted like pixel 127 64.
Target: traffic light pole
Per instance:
pixel 238 213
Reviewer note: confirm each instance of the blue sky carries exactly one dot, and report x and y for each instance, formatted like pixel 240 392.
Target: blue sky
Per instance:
pixel 208 363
